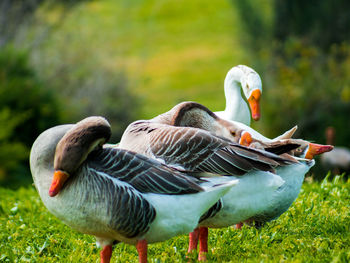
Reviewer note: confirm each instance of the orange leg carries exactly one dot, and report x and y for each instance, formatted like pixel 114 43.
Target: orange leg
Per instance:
pixel 141 247
pixel 203 243
pixel 193 240
pixel 106 254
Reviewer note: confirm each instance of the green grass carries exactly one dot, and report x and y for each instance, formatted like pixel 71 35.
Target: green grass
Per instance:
pixel 316 228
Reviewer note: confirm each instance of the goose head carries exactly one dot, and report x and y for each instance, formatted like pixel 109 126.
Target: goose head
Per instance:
pixel 252 90
pixel 303 148
pixel 308 150
pixel 74 147
pixel 246 79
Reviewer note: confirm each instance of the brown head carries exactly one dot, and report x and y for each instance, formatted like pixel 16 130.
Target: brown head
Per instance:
pixel 309 150
pixel 252 89
pixel 74 147
pixel 192 114
pixel 296 147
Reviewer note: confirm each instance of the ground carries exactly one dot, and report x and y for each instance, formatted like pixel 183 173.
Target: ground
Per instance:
pixel 316 228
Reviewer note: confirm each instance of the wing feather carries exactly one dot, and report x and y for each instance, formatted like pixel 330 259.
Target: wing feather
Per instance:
pixel 198 150
pixel 145 174
pixel 127 211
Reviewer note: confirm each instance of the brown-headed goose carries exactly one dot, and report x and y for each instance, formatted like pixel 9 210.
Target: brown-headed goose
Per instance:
pixel 115 194
pixel 261 194
pixel 195 149
pixel 245 78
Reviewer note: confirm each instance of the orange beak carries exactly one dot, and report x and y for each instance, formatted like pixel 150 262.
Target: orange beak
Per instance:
pixel 254 104
pixel 59 177
pixel 246 139
pixel 315 149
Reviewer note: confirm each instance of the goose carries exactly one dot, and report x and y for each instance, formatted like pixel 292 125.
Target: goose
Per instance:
pixel 198 150
pixel 195 115
pixel 245 78
pixel 237 110
pixel 195 149
pixel 114 194
pixel 260 196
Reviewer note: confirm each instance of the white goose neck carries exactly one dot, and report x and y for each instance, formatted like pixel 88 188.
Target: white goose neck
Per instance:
pixel 236 107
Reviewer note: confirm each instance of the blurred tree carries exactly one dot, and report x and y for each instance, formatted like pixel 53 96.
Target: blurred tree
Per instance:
pixel 16 16
pixel 317 22
pixel 12 151
pixel 256 21
pixel 303 56
pixel 26 109
pixel 310 89
pixel 75 69
pixel 87 90
pixel 39 90
pixel 320 22
pixel 311 62
pixel 13 14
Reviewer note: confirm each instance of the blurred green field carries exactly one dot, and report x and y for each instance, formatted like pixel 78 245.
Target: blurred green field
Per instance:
pixel 316 228
pixel 129 60
pixel 171 51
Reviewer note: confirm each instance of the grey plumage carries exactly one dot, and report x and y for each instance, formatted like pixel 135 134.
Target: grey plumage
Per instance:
pixel 115 194
pixel 143 173
pixel 198 150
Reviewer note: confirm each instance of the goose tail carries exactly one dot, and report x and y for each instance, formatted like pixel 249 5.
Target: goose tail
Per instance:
pixel 223 184
pixel 287 135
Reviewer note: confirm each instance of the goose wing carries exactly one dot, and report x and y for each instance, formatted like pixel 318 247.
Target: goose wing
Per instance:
pixel 127 211
pixel 281 148
pixel 144 174
pixel 198 150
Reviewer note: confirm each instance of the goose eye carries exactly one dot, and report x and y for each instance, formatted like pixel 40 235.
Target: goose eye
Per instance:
pixel 233 133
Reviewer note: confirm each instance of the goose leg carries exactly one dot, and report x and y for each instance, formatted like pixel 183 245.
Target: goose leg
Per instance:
pixel 193 240
pixel 239 225
pixel 141 247
pixel 106 254
pixel 203 243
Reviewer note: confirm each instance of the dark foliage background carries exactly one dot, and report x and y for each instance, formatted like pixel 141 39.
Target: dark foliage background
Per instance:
pixel 305 60
pixel 38 91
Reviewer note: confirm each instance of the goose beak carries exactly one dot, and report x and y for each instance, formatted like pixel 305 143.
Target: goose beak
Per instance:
pixel 246 139
pixel 59 177
pixel 316 149
pixel 254 105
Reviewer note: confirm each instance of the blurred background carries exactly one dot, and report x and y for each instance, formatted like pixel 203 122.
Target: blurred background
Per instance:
pixel 63 60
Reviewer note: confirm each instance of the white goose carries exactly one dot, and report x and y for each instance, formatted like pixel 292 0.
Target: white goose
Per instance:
pixel 236 107
pixel 113 194
pixel 260 196
pixel 237 111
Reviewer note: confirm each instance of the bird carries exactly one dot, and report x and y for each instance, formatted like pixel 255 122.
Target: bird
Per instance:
pixel 195 149
pixel 261 194
pixel 239 78
pixel 170 138
pixel 337 160
pixel 196 115
pixel 114 194
pixel 244 78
